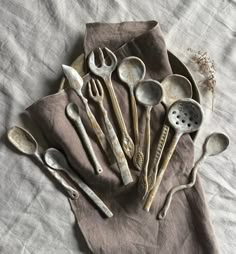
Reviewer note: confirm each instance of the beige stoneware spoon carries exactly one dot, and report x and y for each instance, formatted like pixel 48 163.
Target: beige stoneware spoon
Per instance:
pixel 132 70
pixel 24 142
pixel 149 93
pixel 214 144
pixel 57 161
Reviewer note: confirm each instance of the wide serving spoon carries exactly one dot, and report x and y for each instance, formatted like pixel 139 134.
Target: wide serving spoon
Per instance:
pixel 72 112
pixel 148 93
pixel 132 70
pixel 56 160
pixel 24 142
pixel 185 116
pixel 175 87
pixel 214 144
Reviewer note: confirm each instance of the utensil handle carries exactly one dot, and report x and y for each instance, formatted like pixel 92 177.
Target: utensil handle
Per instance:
pixel 143 181
pixel 160 147
pixel 71 191
pixel 126 140
pixel 81 129
pixel 138 155
pixel 161 172
pixel 193 175
pixel 117 150
pixel 96 127
pixel 89 192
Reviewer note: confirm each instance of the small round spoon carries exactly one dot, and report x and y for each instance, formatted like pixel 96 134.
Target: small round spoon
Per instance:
pixel 175 87
pixel 214 144
pixel 24 142
pixel 148 93
pixel 185 116
pixel 132 70
pixel 56 160
pixel 72 112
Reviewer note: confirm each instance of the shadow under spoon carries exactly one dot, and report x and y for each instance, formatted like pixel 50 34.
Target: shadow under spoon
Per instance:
pixel 24 142
pixel 56 160
pixel 214 144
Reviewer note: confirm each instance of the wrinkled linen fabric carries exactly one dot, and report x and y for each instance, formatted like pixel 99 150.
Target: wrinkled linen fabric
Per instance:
pixel 131 229
pixel 36 37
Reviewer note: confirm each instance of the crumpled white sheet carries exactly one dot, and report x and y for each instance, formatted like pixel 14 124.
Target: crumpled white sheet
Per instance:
pixel 36 37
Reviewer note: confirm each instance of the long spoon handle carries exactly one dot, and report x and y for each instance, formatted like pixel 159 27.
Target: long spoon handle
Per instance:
pixel 71 191
pixel 193 175
pixel 143 180
pixel 117 149
pixel 138 155
pixel 155 164
pixel 161 172
pixel 89 192
pixel 126 141
pixel 83 133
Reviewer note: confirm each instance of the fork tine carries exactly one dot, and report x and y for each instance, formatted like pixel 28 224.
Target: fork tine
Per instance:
pixel 94 83
pixel 100 88
pixel 101 56
pixel 112 56
pixel 91 61
pixel 90 90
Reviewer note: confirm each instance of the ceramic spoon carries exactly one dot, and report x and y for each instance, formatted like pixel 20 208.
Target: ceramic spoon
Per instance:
pixel 56 160
pixel 175 87
pixel 215 144
pixel 24 142
pixel 132 70
pixel 72 112
pixel 185 116
pixel 148 93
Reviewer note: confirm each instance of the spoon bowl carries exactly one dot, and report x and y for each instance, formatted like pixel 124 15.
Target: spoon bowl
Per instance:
pixel 176 87
pixel 55 159
pixel 131 70
pixel 149 92
pixel 216 143
pixel 22 140
pixel 72 111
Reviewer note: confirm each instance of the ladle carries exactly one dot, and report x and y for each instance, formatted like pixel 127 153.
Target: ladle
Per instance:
pixel 185 116
pixel 24 142
pixel 214 144
pixel 132 70
pixel 56 160
pixel 149 93
pixel 72 112
pixel 175 87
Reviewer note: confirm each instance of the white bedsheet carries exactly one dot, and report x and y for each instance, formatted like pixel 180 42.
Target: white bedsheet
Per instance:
pixel 36 37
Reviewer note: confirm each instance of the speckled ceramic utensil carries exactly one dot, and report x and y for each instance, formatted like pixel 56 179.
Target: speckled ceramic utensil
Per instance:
pixel 72 111
pixel 56 160
pixel 97 94
pixel 104 71
pixel 148 93
pixel 184 116
pixel 24 142
pixel 214 144
pixel 132 70
pixel 175 87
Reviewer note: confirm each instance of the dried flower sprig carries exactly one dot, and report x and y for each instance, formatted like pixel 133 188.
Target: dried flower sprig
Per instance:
pixel 207 68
